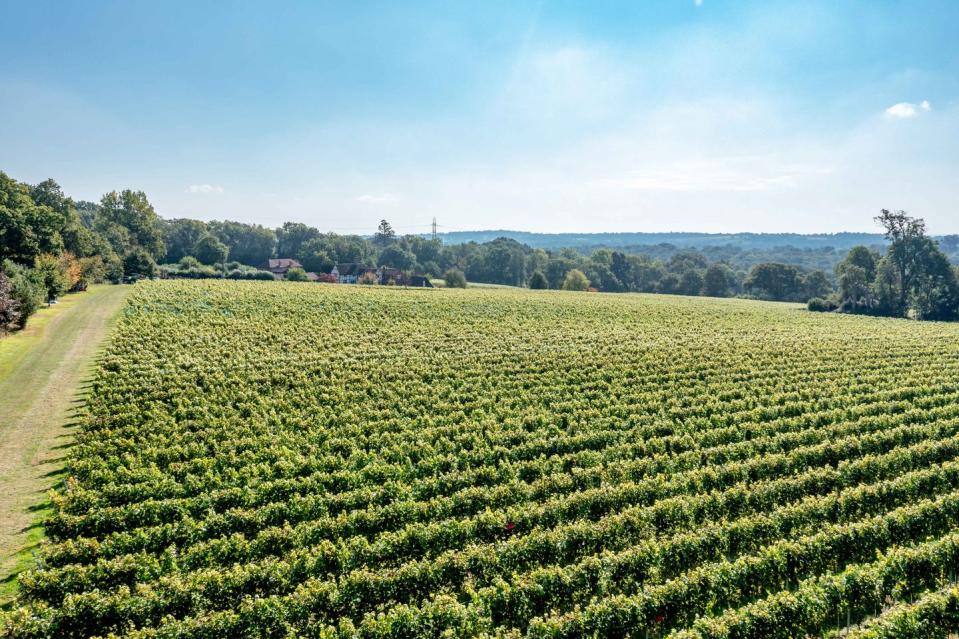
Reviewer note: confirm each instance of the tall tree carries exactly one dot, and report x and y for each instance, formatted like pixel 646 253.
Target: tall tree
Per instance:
pixel 905 235
pixel 385 235
pixel 210 250
pixel 816 284
pixel 181 237
pixel 27 229
pixel 291 237
pixel 781 282
pixel 249 244
pixel 127 218
pixel 717 280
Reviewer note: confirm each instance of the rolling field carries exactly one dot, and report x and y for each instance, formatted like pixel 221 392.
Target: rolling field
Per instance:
pixel 271 459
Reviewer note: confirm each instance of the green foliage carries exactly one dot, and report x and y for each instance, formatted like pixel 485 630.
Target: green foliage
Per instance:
pixel 816 284
pixel 575 280
pixel 50 271
pixel 209 250
pixel 138 263
pixel 9 306
pixel 779 282
pixel 292 237
pixel 181 237
pixel 454 278
pixel 538 281
pixel 249 244
pixel 188 262
pixel 296 274
pixel 385 235
pixel 821 305
pixel 396 256
pixel 93 270
pixel 718 280
pixel 691 283
pixel 27 289
pixel 27 229
pixel 128 221
pixel 496 463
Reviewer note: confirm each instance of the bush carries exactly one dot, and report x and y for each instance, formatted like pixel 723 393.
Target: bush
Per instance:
pixel 210 250
pixel 51 272
pixel 188 261
pixel 139 263
pixel 198 272
pixel 296 274
pixel 538 281
pixel 250 274
pixel 27 289
pixel 93 270
pixel 575 281
pixel 9 307
pixel 821 305
pixel 454 278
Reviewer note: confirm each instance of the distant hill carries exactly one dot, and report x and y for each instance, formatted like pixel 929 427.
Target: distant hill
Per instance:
pixel 589 241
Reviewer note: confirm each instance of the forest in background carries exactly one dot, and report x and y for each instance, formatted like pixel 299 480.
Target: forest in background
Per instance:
pixel 51 244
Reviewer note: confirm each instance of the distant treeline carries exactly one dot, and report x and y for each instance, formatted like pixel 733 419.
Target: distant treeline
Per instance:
pixel 587 242
pixel 50 244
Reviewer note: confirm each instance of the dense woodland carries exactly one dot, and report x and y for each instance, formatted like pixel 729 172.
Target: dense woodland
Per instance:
pixel 51 244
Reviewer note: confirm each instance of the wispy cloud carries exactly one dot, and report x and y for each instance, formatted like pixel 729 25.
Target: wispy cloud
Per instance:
pixel 698 3
pixel 383 198
pixel 204 188
pixel 906 110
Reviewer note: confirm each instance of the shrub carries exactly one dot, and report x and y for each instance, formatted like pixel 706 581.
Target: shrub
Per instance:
pixel 9 307
pixel 454 278
pixel 52 274
pixel 26 288
pixel 188 261
pixel 821 305
pixel 296 274
pixel 139 263
pixel 538 281
pixel 575 281
pixel 92 270
pixel 250 274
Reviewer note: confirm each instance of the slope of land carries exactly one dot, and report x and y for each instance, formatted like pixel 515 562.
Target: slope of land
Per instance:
pixel 279 459
pixel 41 369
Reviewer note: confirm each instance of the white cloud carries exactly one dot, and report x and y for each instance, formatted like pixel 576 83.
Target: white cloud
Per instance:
pixel 906 110
pixel 204 188
pixel 384 198
pixel 698 3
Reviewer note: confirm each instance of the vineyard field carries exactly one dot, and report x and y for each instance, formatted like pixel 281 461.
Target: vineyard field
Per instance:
pixel 303 460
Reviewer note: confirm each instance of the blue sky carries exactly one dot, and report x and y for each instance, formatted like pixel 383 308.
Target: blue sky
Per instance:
pixel 544 116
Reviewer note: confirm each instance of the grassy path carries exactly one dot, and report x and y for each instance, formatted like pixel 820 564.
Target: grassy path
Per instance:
pixel 41 369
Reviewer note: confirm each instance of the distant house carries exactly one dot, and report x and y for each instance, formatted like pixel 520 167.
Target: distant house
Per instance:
pixel 328 278
pixel 386 275
pixel 313 277
pixel 350 272
pixel 353 272
pixel 280 266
